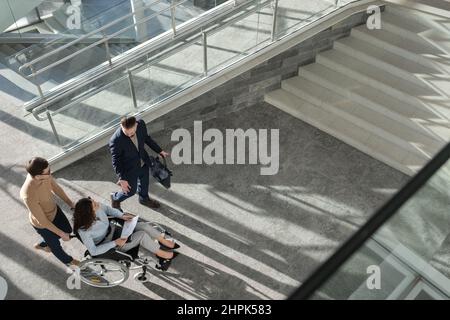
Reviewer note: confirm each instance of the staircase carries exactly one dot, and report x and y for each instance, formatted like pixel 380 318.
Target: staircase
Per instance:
pixel 386 92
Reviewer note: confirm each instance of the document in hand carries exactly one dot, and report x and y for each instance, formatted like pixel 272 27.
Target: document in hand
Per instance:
pixel 128 227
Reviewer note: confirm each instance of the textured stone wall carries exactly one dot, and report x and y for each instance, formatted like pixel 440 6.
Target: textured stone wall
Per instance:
pixel 249 88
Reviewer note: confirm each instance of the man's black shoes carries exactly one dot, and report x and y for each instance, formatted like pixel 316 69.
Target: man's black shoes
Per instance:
pixel 151 203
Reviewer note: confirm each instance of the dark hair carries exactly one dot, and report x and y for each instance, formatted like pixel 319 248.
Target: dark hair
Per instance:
pixel 128 122
pixel 83 215
pixel 36 166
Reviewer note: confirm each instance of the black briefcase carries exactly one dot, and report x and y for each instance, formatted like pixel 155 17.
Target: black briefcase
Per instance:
pixel 160 171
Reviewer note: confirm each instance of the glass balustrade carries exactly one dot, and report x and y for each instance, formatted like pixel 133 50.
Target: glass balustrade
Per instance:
pixel 87 34
pixel 173 67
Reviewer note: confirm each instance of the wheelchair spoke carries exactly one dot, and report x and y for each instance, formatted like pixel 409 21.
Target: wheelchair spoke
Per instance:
pixel 103 273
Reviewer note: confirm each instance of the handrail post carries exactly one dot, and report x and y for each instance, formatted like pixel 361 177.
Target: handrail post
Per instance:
pixel 108 53
pixel 172 13
pixel 41 94
pixel 205 53
pixel 49 117
pixel 132 90
pixel 274 20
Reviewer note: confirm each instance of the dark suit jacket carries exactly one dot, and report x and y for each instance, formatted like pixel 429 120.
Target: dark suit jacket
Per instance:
pixel 126 159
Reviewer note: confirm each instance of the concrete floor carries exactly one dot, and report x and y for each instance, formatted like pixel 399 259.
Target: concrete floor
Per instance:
pixel 243 235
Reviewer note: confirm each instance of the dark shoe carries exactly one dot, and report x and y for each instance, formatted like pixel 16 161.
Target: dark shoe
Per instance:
pixel 151 203
pixel 175 254
pixel 166 248
pixel 164 264
pixel 39 246
pixel 115 204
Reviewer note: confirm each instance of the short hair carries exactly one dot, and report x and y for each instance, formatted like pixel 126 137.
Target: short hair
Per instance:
pixel 36 166
pixel 128 122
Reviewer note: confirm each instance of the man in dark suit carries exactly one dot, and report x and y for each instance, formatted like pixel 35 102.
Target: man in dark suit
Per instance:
pixel 131 161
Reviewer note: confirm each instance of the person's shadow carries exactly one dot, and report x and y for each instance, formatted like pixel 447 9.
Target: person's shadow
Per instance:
pixel 190 279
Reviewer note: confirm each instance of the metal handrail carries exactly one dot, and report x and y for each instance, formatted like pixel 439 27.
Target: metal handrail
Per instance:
pixel 99 30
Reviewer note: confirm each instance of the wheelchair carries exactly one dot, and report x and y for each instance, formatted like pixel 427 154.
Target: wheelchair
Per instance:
pixel 113 267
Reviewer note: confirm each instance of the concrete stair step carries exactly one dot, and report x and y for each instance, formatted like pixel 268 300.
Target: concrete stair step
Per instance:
pixel 373 121
pixel 16 87
pixel 17 46
pixel 414 28
pixel 422 53
pixel 347 131
pixel 7 50
pixel 430 12
pixel 54 25
pixel 404 26
pixel 386 60
pixel 425 119
pixel 375 77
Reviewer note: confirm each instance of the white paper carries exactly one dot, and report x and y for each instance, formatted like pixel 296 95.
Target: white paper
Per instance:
pixel 128 227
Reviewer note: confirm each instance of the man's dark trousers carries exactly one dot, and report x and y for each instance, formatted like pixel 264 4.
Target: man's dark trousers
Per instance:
pixel 138 181
pixel 132 163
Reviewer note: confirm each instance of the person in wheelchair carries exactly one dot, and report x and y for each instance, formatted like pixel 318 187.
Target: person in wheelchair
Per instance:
pixel 99 235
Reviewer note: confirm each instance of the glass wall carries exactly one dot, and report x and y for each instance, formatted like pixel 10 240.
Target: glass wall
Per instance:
pixel 408 257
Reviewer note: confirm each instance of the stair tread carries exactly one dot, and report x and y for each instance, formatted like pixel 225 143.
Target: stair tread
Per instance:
pixel 376 74
pixel 410 25
pixel 7 50
pixel 404 136
pixel 422 9
pixel 391 39
pixel 345 130
pixel 427 119
pixel 387 57
pixel 16 85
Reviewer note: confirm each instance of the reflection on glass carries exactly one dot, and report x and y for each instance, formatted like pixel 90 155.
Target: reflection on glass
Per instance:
pixel 169 75
pixel 78 121
pixel 408 258
pixel 240 38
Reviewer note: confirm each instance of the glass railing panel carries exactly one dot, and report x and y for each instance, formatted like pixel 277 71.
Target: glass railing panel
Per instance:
pixel 240 38
pixel 78 121
pixel 170 74
pixel 78 61
pixel 294 13
pixel 408 257
pixel 138 21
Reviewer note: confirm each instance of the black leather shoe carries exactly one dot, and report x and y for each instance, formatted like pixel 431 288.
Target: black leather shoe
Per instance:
pixel 166 248
pixel 151 203
pixel 115 204
pixel 163 264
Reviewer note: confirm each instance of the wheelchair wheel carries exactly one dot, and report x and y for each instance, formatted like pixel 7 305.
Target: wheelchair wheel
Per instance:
pixel 103 273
